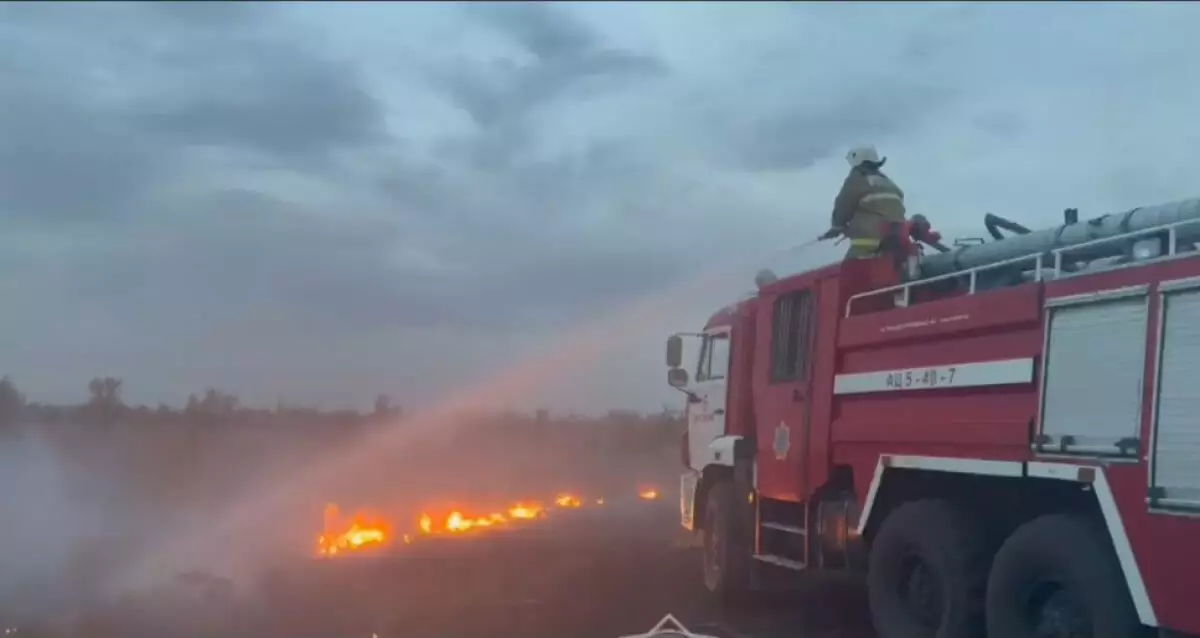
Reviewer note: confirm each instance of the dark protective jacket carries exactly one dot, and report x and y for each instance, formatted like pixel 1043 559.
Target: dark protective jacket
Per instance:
pixel 868 201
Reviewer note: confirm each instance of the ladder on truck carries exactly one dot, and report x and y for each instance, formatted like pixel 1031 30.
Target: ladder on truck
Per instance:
pixel 788 534
pixel 781 533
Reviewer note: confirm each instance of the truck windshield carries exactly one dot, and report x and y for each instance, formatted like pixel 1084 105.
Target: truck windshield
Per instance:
pixel 714 357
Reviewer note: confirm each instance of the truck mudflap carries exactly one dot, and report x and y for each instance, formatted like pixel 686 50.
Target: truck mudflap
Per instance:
pixel 688 481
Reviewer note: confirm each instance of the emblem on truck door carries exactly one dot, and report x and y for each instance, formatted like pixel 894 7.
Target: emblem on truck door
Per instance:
pixel 783 441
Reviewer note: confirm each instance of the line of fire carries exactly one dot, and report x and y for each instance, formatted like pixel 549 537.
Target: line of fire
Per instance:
pixel 365 531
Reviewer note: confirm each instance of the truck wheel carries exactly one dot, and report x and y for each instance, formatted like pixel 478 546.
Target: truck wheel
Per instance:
pixel 1057 577
pixel 726 549
pixel 926 573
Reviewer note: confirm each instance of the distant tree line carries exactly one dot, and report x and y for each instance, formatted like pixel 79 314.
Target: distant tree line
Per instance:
pixel 167 459
pixel 105 406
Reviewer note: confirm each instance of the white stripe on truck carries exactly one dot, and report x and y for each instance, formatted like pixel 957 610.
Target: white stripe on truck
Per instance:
pixel 957 375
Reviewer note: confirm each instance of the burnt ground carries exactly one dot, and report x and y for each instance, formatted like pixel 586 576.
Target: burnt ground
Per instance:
pixel 581 574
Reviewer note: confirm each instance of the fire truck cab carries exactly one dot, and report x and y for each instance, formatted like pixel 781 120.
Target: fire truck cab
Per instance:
pixel 1005 441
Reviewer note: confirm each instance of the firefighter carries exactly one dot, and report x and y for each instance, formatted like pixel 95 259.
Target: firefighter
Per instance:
pixel 868 205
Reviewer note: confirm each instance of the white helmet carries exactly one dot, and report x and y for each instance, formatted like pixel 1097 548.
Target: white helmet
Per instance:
pixel 765 277
pixel 862 154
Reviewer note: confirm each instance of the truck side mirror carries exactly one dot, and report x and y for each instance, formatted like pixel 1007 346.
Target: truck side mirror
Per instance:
pixel 675 353
pixel 677 378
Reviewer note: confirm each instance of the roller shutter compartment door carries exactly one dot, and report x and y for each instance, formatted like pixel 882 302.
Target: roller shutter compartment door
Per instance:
pixel 1092 391
pixel 1177 427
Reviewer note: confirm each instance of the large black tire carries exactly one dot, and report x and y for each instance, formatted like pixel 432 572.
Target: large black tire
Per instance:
pixel 926 573
pixel 726 546
pixel 1058 573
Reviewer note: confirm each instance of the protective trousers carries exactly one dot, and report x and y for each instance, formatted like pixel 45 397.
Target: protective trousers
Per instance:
pixel 863 248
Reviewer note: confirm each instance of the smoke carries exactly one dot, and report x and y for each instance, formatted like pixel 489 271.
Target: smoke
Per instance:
pixel 458 459
pixel 59 532
pixel 255 509
pixel 125 531
pixel 81 502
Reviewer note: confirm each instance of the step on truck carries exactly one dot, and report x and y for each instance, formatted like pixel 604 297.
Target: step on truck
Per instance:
pixel 1003 437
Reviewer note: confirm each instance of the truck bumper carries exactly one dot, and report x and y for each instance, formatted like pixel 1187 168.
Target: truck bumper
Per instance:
pixel 687 499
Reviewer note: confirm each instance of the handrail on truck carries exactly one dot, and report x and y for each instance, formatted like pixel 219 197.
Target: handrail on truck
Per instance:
pixel 1040 269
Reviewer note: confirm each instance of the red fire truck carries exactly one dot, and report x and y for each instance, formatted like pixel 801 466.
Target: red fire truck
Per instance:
pixel 1004 436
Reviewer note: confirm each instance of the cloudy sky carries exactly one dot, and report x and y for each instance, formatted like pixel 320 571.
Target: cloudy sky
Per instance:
pixel 320 202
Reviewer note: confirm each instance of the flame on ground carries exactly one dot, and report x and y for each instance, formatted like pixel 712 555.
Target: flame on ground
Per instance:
pixel 567 500
pixel 526 511
pixel 457 521
pixel 362 531
pixel 365 531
